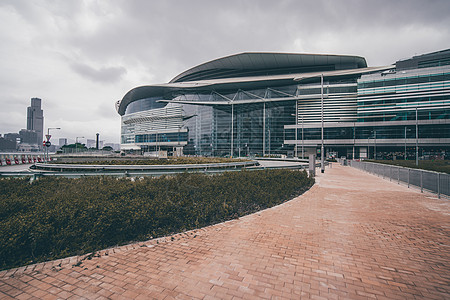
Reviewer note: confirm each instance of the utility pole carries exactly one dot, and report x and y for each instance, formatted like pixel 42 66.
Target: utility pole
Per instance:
pixel 322 163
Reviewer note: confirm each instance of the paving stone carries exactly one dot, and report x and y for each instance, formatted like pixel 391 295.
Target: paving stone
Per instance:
pixel 351 236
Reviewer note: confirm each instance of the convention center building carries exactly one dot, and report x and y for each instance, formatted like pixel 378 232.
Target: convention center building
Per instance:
pixel 272 104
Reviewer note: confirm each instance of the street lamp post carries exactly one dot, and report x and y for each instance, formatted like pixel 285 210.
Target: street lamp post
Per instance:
pixel 296 137
pixel 322 121
pixel 375 145
pixel 303 143
pixel 264 129
pixel 405 140
pixel 48 138
pixel 296 129
pixel 322 164
pixel 354 138
pixel 232 130
pixel 417 140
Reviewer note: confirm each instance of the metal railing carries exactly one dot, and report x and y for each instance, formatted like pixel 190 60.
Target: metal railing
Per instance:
pixel 434 182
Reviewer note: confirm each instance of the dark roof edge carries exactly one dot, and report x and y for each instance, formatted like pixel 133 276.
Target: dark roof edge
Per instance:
pixel 228 57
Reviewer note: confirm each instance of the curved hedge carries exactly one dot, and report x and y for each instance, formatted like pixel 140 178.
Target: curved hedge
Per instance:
pixel 58 217
pixel 154 161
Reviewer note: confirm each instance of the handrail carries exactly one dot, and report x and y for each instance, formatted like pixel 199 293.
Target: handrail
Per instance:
pixel 77 167
pixel 432 181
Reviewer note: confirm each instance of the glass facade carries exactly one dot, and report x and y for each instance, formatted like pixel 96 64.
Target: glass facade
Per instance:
pixel 397 95
pixel 239 128
pixel 388 110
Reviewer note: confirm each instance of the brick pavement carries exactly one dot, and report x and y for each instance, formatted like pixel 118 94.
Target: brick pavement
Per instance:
pixel 352 236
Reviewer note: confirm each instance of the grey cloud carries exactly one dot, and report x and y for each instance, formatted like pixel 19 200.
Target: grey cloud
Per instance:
pixel 130 42
pixel 104 74
pixel 168 37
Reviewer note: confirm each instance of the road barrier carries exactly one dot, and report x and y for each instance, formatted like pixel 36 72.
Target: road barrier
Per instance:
pixel 434 182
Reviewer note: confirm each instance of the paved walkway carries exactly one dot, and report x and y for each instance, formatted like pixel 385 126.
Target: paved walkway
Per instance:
pixel 352 236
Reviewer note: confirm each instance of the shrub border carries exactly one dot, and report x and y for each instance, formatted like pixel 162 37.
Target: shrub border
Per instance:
pixel 77 261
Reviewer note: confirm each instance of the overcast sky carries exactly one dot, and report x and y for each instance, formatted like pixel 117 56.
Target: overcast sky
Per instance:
pixel 80 57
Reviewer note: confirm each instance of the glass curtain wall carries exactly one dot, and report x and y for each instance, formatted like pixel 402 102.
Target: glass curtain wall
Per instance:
pixel 394 97
pixel 240 129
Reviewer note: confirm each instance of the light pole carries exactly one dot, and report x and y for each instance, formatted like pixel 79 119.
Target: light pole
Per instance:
pixel 321 110
pixel 354 137
pixel 417 140
pixel 232 129
pixel 296 129
pixel 76 142
pixel 375 145
pixel 405 140
pixel 296 138
pixel 303 143
pixel 264 128
pixel 48 137
pixel 322 164
pixel 156 147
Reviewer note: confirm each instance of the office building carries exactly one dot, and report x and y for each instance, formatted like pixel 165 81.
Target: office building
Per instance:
pixel 62 142
pixel 27 136
pixel 35 120
pixel 291 104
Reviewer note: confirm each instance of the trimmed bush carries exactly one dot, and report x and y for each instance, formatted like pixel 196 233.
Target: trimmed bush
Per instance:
pixel 154 161
pixel 59 217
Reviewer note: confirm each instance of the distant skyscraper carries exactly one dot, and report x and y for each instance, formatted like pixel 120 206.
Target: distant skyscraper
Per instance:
pixel 62 142
pixel 35 119
pixel 90 143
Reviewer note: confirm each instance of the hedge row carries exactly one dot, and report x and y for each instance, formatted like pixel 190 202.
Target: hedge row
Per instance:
pixel 168 161
pixel 59 217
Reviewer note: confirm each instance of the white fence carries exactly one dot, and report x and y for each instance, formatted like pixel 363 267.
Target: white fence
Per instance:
pixel 434 182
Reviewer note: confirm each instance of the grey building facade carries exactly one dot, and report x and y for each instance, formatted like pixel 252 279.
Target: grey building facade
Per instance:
pixel 280 103
pixel 35 120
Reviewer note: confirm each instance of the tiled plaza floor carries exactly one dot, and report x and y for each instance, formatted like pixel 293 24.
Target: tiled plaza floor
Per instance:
pixel 352 236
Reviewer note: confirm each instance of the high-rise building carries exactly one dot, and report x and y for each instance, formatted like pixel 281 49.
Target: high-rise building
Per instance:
pixel 12 137
pixel 28 136
pixel 90 143
pixel 62 142
pixel 35 119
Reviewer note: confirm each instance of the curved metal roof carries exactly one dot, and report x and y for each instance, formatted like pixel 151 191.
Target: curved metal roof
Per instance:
pixel 258 64
pixel 166 91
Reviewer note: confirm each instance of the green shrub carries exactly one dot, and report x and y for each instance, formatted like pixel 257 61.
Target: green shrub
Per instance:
pixel 58 217
pixel 153 161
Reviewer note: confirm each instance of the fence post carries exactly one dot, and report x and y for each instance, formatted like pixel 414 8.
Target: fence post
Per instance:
pixel 408 176
pixel 439 185
pixel 390 173
pixel 421 181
